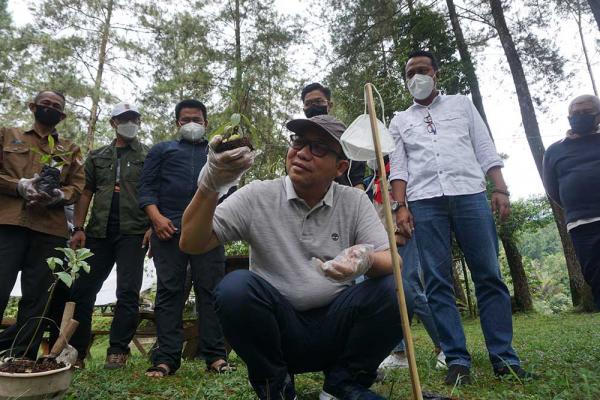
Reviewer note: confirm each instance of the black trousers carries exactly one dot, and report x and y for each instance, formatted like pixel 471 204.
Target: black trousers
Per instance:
pixel 346 339
pixel 25 250
pixel 127 252
pixel 207 271
pixel 586 241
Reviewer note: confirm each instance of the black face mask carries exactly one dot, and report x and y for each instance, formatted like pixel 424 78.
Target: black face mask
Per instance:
pixel 47 116
pixel 315 110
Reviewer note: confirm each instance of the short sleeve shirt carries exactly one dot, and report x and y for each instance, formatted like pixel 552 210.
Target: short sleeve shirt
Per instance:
pixel 284 234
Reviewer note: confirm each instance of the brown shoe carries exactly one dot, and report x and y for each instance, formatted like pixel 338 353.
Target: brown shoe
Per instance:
pixel 116 360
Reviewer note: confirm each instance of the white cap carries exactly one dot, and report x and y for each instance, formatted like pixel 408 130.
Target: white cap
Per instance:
pixel 123 108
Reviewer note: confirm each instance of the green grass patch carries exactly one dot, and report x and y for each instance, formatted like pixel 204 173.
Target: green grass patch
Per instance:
pixel 564 349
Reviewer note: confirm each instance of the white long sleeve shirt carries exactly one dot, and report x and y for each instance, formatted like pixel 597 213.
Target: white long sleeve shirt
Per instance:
pixel 446 154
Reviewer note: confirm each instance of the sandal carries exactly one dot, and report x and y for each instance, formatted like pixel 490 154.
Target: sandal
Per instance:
pixel 224 367
pixel 157 368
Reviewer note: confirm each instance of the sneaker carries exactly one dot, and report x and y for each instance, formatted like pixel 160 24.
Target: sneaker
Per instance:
pixel 440 361
pixel 116 360
pixel 348 391
pixel 458 375
pixel 275 390
pixel 514 372
pixel 396 360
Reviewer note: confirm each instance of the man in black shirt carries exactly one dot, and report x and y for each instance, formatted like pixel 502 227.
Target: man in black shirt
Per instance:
pixel 572 180
pixel 115 233
pixel 316 100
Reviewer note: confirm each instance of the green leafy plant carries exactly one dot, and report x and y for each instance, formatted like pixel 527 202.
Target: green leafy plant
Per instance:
pixel 52 159
pixel 236 132
pixel 65 270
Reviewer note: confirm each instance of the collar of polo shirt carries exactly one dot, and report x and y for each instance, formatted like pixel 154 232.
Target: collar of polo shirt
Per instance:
pixel 291 193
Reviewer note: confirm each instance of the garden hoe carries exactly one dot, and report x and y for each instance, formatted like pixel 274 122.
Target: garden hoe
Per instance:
pixel 389 222
pixel 62 351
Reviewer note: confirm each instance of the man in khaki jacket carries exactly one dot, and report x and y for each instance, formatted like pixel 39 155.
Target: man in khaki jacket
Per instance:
pixel 33 222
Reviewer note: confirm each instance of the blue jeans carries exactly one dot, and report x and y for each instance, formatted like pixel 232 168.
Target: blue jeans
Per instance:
pixel 413 288
pixel 470 217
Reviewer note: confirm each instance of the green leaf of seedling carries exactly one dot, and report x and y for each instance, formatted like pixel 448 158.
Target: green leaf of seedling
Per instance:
pixel 235 119
pixel 65 277
pixel 51 143
pixel 220 130
pixel 85 266
pixel 51 261
pixel 83 254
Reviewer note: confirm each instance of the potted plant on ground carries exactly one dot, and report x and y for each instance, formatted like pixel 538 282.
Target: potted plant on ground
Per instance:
pixel 47 377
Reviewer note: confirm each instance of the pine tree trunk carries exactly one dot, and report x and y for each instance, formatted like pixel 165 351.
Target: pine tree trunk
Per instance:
pixel 532 133
pixel 459 292
pixel 237 22
pixel 584 47
pixel 515 261
pixel 522 294
pixel 99 73
pixel 465 56
pixel 581 293
pixel 595 6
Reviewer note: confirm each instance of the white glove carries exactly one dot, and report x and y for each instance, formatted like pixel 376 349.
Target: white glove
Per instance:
pixel 224 170
pixel 57 197
pixel 348 265
pixel 26 187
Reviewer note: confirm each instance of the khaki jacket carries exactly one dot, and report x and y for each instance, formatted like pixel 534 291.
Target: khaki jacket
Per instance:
pixel 17 161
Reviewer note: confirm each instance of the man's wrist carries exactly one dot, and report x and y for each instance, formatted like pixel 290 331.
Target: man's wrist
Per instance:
pixel 503 191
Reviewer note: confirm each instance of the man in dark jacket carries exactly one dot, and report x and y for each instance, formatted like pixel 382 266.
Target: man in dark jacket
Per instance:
pixel 167 185
pixel 114 233
pixel 572 180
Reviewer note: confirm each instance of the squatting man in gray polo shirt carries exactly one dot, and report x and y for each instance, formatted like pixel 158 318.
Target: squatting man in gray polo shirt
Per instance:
pixel 296 309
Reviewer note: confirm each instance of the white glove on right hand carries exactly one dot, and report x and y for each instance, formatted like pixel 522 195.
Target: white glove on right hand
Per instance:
pixel 348 265
pixel 26 188
pixel 224 170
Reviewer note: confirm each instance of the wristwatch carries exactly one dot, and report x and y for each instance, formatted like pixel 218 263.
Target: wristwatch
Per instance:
pixel 397 205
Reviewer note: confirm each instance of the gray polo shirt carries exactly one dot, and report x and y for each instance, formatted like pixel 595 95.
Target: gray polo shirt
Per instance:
pixel 284 234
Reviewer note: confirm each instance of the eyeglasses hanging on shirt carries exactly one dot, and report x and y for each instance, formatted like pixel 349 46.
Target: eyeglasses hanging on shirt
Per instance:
pixel 430 124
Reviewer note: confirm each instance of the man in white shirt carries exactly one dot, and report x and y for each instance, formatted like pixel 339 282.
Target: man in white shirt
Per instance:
pixel 443 152
pixel 291 313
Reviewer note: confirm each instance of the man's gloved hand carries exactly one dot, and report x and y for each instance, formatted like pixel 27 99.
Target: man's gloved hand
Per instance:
pixel 224 170
pixel 26 187
pixel 45 200
pixel 349 264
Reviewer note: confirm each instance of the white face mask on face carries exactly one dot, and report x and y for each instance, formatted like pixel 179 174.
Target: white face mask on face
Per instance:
pixel 420 86
pixel 128 130
pixel 192 132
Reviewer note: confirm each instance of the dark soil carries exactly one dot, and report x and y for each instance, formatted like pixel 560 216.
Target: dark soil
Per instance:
pixel 49 180
pixel 29 366
pixel 234 144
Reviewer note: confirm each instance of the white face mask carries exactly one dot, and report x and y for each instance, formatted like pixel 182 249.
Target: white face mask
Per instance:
pixel 420 86
pixel 128 130
pixel 192 132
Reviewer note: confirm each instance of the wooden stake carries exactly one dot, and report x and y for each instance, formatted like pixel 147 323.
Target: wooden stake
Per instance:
pixel 389 222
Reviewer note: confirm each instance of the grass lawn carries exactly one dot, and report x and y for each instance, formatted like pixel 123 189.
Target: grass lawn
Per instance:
pixel 564 349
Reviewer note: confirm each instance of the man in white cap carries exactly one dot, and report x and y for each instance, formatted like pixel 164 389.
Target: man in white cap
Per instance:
pixel 115 233
pixel 297 310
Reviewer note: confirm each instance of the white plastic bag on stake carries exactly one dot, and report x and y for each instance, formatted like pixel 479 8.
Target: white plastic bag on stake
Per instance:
pixel 357 140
